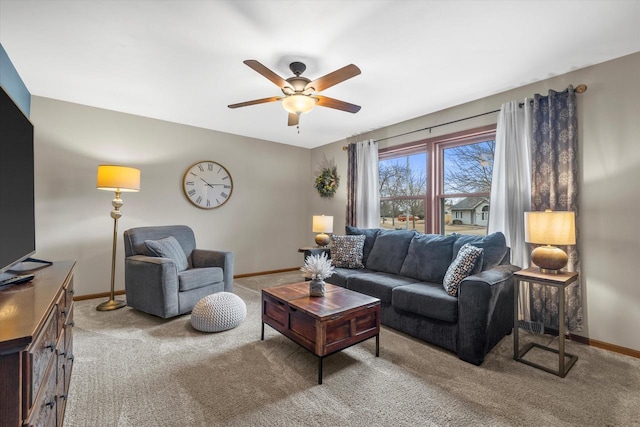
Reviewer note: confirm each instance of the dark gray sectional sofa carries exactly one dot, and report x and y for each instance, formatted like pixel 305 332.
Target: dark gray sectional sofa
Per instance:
pixel 405 270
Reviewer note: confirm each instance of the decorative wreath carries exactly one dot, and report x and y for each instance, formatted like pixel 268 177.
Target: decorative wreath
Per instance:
pixel 327 182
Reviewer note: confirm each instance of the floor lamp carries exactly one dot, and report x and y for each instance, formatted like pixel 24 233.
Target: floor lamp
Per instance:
pixel 118 179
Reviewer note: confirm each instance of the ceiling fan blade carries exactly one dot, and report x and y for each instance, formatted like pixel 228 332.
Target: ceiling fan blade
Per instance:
pixel 325 101
pixel 294 119
pixel 256 101
pixel 334 78
pixel 279 81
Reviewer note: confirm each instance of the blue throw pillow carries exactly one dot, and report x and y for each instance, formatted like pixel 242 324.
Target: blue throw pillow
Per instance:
pixel 168 248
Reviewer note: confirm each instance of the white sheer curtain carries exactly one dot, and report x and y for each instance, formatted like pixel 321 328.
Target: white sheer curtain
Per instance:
pixel 367 193
pixel 511 183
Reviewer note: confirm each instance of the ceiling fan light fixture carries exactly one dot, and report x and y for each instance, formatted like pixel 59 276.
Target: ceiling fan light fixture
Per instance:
pixel 299 104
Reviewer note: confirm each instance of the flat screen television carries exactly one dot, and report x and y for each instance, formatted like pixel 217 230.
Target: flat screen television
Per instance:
pixel 17 215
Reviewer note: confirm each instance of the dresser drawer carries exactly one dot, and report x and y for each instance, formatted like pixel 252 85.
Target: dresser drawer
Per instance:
pixel 39 356
pixel 44 412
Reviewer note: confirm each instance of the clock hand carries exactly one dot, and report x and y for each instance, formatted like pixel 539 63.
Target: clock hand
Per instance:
pixel 206 182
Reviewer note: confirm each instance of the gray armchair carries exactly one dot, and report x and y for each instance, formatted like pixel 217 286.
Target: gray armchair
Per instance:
pixel 165 275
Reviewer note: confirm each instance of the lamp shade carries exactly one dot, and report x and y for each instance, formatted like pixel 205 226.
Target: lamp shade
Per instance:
pixel 118 178
pixel 550 228
pixel 299 104
pixel 322 224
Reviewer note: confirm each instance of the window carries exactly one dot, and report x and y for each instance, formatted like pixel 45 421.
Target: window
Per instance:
pixel 438 185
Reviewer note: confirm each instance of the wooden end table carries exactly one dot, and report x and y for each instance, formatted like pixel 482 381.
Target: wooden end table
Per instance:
pixel 560 281
pixel 322 325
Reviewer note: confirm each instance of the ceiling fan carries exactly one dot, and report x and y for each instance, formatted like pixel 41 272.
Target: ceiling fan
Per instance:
pixel 300 92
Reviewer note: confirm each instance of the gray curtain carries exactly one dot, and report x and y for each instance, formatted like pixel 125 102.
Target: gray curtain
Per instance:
pixel 352 173
pixel 554 185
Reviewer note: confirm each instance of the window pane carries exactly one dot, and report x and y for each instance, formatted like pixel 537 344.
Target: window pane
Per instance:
pixel 403 176
pixel 468 168
pixel 465 215
pixel 394 214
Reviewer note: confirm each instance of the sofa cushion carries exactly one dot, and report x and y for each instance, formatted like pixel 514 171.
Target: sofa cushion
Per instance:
pixel 377 285
pixel 168 248
pixel 389 250
pixel 370 235
pixel 461 267
pixel 340 276
pixel 346 251
pixel 494 245
pixel 199 277
pixel 428 257
pixel 426 299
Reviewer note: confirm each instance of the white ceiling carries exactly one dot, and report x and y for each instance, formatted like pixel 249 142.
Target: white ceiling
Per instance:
pixel 181 61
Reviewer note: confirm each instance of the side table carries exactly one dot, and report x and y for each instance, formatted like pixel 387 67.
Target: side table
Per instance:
pixel 560 281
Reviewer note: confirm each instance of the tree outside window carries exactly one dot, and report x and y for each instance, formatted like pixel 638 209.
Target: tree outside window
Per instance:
pixel 440 185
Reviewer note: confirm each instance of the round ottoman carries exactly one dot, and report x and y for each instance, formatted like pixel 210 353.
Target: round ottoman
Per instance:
pixel 218 312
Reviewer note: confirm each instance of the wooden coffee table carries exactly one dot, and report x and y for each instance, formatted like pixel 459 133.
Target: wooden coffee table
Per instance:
pixel 322 325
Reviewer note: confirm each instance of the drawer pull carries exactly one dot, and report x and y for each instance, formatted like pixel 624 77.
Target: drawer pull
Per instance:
pixel 70 358
pixel 72 291
pixel 63 396
pixel 51 346
pixel 293 309
pixel 72 324
pixel 62 353
pixel 64 312
pixel 51 403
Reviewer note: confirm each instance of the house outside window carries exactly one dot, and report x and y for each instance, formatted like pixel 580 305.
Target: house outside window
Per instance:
pixel 438 185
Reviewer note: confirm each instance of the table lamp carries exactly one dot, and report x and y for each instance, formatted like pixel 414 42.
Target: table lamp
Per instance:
pixel 322 224
pixel 118 179
pixel 550 228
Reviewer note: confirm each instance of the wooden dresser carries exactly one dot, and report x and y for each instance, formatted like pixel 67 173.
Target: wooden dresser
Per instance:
pixel 36 348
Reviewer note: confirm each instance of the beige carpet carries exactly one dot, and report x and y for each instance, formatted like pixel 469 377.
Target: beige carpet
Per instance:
pixel 132 369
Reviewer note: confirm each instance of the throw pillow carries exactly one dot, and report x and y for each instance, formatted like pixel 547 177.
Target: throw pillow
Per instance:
pixel 460 268
pixel 346 251
pixel 370 234
pixel 168 248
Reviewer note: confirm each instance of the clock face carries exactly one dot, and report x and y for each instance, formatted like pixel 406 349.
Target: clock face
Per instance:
pixel 207 184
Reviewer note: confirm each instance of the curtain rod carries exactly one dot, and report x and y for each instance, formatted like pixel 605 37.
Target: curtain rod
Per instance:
pixel 581 88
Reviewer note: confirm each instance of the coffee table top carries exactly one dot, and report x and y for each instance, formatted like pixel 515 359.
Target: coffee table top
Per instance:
pixel 336 299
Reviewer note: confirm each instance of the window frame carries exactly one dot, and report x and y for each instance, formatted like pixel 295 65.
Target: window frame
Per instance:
pixel 434 149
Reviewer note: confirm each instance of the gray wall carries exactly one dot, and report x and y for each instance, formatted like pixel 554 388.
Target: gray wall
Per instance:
pixel 609 125
pixel 263 223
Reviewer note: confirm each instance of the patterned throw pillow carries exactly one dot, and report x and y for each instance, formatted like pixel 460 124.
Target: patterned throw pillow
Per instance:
pixel 346 251
pixel 460 268
pixel 169 248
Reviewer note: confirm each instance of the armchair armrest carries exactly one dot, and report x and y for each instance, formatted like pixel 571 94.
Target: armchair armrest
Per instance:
pixel 151 285
pixel 201 258
pixel 485 311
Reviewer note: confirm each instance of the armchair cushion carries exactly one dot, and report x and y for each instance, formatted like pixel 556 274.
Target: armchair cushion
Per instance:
pixel 199 277
pixel 169 248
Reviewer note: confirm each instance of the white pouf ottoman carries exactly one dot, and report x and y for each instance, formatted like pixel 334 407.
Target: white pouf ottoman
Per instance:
pixel 218 312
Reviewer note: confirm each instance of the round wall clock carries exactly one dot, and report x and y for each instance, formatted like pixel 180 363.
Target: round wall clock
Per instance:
pixel 207 184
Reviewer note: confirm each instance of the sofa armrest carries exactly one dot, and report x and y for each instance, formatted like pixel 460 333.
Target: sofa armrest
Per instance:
pixel 151 285
pixel 202 258
pixel 485 311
